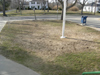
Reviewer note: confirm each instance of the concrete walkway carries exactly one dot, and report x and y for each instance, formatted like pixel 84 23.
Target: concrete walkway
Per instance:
pixel 8 67
pixel 2 24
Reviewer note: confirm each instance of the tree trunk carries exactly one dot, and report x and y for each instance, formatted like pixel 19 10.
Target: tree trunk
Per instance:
pixel 95 7
pixel 82 10
pixel 23 5
pixel 19 5
pixel 62 12
pixel 48 5
pixel 4 14
pixel 16 10
pixel 57 4
pixel 67 7
pixel 44 7
pixel 67 3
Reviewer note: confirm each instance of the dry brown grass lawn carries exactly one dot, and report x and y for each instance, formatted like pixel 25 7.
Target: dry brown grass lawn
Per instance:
pixel 41 12
pixel 42 39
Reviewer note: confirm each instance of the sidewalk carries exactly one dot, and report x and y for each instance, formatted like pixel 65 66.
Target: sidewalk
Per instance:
pixel 2 24
pixel 8 67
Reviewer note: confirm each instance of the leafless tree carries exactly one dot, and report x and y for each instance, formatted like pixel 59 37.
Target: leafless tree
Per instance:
pixel 44 2
pixel 19 5
pixel 68 7
pixel 82 4
pixel 4 8
pixel 5 3
pixel 48 5
pixel 95 6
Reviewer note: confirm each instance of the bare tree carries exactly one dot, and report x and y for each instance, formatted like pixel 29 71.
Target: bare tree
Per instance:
pixel 48 5
pixel 23 4
pixel 95 6
pixel 5 4
pixel 68 7
pixel 4 8
pixel 57 4
pixel 14 4
pixel 19 5
pixel 44 2
pixel 82 4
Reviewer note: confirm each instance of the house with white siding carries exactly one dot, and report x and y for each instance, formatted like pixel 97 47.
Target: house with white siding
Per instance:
pixel 92 7
pixel 38 4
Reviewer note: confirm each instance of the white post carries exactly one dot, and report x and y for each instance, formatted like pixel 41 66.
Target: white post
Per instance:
pixel 64 19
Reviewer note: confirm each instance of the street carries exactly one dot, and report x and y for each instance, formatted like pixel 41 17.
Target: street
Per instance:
pixel 92 21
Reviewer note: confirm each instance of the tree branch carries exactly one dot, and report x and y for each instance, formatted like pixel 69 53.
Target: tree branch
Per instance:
pixel 71 5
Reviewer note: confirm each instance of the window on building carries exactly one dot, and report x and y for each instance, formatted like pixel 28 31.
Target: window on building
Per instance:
pixel 33 7
pixel 33 2
pixel 98 9
pixel 38 2
pixel 88 8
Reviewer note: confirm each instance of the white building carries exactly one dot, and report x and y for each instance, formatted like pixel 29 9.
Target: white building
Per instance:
pixel 92 7
pixel 38 4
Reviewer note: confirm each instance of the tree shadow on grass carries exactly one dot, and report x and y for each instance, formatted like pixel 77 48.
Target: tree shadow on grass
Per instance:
pixel 83 40
pixel 33 62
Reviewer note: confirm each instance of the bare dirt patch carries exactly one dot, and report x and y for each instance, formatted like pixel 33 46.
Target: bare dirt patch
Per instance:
pixel 37 45
pixel 43 38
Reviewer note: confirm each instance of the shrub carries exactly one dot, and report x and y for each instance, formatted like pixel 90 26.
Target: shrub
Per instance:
pixel 74 9
pixel 18 8
pixel 55 7
pixel 29 8
pixel 50 8
pixel 26 8
pixel 60 8
pixel 1 8
pixel 79 7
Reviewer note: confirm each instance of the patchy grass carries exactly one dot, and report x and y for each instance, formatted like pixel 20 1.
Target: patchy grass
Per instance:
pixel 31 12
pixel 37 45
pixel 41 12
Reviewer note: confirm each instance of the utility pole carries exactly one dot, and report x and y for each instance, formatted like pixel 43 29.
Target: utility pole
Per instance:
pixel 64 20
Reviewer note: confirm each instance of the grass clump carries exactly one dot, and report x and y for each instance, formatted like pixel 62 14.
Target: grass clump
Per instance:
pixel 71 11
pixel 37 45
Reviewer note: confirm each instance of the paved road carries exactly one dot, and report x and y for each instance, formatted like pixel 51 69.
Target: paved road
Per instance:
pixel 92 21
